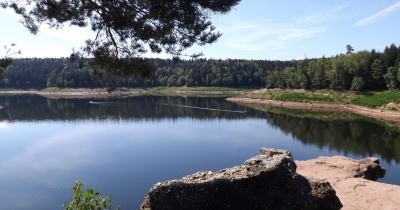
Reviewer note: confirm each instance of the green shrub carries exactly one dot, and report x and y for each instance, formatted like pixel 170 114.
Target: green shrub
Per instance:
pixel 89 199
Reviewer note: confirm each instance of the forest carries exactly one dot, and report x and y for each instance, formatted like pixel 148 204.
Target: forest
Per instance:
pixel 360 71
pixel 40 73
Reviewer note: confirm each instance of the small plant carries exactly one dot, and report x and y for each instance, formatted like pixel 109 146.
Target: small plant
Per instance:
pixel 89 199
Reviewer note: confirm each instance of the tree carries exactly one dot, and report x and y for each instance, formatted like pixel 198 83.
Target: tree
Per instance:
pixel 126 29
pixel 349 49
pixel 391 78
pixel 377 72
pixel 390 56
pixel 5 61
pixel 357 84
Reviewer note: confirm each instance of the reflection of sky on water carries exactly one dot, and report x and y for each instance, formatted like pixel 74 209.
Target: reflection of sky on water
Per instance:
pixel 40 161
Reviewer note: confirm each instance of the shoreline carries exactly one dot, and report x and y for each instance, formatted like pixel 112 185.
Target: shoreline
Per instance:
pixel 73 93
pixel 389 116
pixel 120 92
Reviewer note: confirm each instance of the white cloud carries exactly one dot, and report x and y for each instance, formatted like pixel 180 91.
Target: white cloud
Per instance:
pixel 375 17
pixel 262 36
pixel 321 17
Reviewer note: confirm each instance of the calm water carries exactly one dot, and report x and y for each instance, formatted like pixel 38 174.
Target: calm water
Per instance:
pixel 123 148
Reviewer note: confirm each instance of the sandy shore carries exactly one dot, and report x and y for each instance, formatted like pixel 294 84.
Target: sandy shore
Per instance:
pixel 345 176
pixel 390 116
pixel 119 92
pixel 76 93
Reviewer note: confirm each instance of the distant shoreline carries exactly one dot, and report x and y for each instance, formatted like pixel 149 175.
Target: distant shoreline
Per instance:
pixel 124 92
pixel 391 116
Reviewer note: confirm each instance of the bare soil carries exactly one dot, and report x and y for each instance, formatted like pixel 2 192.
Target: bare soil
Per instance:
pixel 389 116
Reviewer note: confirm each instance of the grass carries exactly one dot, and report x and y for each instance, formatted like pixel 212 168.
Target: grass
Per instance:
pixel 174 89
pixel 321 96
pixel 194 91
pixel 52 89
pixel 367 99
pixel 303 97
pixel 377 99
pixel 214 89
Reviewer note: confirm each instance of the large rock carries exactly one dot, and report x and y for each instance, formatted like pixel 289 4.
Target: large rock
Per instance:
pixel 351 180
pixel 267 181
pixel 339 167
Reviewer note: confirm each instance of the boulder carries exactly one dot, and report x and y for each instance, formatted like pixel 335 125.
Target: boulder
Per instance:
pixel 266 181
pixel 351 180
pixel 339 167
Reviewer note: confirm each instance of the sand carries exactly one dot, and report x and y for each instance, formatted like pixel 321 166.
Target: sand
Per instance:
pixel 390 116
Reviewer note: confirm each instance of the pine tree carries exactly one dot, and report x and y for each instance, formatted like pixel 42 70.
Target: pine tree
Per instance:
pixel 125 29
pixel 391 78
pixel 377 74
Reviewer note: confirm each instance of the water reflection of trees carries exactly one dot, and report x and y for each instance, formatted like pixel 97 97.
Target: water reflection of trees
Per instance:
pixel 345 134
pixel 357 136
pixel 35 108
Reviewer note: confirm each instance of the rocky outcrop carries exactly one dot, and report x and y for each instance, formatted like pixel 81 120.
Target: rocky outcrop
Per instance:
pixel 339 167
pixel 349 179
pixel 267 181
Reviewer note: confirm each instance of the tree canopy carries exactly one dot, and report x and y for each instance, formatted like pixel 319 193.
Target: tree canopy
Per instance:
pixel 63 73
pixel 5 60
pixel 359 71
pixel 125 29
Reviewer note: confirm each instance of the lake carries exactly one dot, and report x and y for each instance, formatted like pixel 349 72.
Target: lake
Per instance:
pixel 122 146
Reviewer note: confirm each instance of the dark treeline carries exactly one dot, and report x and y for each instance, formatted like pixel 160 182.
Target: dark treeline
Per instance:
pixel 364 70
pixel 63 73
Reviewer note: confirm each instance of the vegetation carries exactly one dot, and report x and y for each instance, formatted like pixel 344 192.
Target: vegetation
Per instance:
pixel 64 73
pixel 5 60
pixel 292 96
pixel 361 71
pixel 373 99
pixel 377 99
pixel 127 29
pixel 89 199
pixel 328 96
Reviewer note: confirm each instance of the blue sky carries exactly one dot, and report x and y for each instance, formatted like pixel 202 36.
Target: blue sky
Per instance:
pixel 255 29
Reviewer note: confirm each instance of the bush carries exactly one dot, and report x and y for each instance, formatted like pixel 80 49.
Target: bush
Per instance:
pixel 89 199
